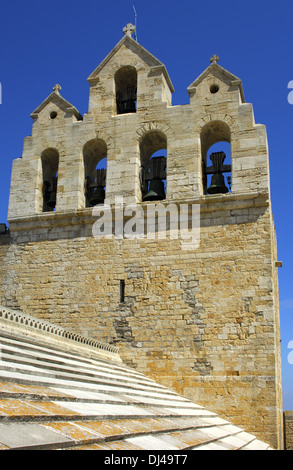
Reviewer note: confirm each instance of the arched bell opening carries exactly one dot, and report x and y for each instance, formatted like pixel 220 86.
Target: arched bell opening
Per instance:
pixel 95 171
pixel 50 162
pixel 216 158
pixel 153 153
pixel 126 90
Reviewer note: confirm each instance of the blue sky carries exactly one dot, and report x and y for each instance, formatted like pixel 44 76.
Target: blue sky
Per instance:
pixel 44 43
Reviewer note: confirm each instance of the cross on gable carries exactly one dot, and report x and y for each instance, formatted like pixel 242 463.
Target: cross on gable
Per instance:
pixel 129 29
pixel 57 88
pixel 214 59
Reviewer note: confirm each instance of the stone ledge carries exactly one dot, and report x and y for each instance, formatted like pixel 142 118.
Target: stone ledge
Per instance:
pixel 211 203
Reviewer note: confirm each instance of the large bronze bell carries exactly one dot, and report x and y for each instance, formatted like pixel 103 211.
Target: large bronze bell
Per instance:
pixel 97 196
pixel 218 181
pixel 217 184
pixel 156 191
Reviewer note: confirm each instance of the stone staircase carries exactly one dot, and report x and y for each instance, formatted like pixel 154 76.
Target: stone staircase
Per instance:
pixel 62 393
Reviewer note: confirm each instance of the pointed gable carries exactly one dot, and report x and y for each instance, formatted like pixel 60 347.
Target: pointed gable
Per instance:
pixel 219 72
pixel 59 101
pixel 151 61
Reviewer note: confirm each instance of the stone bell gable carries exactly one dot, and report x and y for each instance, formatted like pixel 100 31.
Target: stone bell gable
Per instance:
pixel 129 67
pixel 214 77
pixel 130 119
pixel 202 320
pixel 54 107
pixel 217 98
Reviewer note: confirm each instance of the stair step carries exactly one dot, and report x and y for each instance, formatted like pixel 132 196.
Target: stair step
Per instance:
pixel 53 355
pixel 67 370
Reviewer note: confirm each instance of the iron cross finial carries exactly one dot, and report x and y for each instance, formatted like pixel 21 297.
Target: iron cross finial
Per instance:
pixel 214 59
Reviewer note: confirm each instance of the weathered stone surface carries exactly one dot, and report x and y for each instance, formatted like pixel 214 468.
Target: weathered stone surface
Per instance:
pixel 54 396
pixel 203 321
pixel 288 423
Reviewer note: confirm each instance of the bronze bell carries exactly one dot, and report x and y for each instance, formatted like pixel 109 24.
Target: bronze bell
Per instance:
pixel 97 196
pixel 217 184
pixel 218 181
pixel 156 191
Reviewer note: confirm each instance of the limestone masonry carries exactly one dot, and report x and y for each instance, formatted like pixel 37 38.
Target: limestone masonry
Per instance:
pixel 201 319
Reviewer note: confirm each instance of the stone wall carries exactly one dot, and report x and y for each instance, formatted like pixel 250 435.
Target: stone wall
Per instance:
pixel 288 425
pixel 201 322
pixel 204 321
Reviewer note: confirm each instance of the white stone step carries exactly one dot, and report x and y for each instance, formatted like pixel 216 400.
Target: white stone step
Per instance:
pixel 55 374
pixel 67 371
pixel 25 349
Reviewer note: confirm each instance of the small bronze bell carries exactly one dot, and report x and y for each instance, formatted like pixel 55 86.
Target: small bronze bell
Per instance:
pixel 155 174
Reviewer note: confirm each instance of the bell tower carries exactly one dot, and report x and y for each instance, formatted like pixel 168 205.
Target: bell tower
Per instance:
pixel 202 318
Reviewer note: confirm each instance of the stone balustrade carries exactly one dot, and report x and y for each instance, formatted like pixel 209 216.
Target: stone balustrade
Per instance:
pixel 22 321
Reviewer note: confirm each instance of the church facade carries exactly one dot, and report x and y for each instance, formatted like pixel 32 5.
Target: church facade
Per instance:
pixel 132 226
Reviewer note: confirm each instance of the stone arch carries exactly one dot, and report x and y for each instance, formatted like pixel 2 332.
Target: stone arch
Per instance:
pixel 212 132
pixel 80 146
pixel 59 148
pixel 125 80
pixel 95 153
pixel 95 135
pixel 50 158
pixel 56 145
pixel 154 126
pixel 225 118
pixel 153 143
pixel 215 132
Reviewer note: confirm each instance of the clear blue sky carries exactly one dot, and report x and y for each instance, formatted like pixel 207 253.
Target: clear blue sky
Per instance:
pixel 44 43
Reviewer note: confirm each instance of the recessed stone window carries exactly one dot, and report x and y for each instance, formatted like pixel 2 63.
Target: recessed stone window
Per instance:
pixel 122 291
pixel 126 90
pixel 95 168
pixel 50 162
pixel 53 115
pixel 216 158
pixel 153 153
